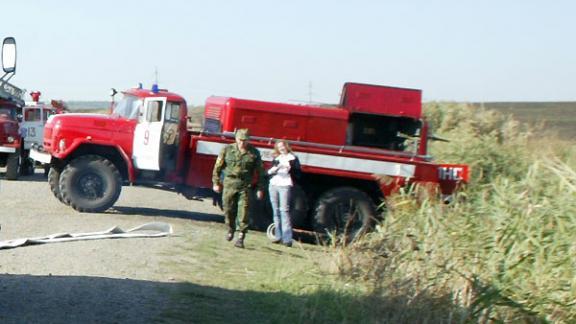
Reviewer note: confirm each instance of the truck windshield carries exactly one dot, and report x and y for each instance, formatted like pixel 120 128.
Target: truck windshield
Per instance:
pixel 32 114
pixel 7 112
pixel 128 107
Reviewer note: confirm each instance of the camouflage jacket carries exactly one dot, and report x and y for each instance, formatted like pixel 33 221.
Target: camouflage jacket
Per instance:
pixel 239 169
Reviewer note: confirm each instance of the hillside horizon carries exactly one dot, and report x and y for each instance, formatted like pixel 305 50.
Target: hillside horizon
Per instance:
pixel 557 117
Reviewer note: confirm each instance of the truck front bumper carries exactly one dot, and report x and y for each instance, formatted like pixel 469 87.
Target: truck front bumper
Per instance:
pixel 40 156
pixel 7 149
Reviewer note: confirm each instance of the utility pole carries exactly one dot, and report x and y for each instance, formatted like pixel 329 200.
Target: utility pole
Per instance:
pixel 310 92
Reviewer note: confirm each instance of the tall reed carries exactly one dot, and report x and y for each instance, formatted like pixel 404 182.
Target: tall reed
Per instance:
pixel 504 251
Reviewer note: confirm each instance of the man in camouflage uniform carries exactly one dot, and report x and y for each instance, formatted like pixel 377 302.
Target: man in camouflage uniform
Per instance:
pixel 240 162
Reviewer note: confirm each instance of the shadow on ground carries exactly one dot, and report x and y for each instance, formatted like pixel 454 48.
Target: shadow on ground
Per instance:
pixel 74 299
pixel 80 299
pixel 157 212
pixel 36 177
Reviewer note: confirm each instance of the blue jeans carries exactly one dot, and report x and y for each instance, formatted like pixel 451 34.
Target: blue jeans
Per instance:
pixel 280 200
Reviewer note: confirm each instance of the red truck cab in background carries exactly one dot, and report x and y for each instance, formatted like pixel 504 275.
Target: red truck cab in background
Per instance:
pixel 353 154
pixel 11 104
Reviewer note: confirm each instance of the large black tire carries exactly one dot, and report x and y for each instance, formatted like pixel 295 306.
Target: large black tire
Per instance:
pixel 343 213
pixel 12 165
pixel 90 184
pixel 54 182
pixel 26 167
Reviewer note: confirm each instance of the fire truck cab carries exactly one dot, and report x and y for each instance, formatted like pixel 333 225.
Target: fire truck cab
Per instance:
pixel 11 104
pixel 34 116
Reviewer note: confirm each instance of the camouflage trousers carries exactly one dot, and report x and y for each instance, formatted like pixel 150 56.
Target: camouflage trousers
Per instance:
pixel 236 203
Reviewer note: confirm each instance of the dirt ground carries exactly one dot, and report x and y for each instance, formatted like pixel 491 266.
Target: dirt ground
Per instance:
pixel 105 281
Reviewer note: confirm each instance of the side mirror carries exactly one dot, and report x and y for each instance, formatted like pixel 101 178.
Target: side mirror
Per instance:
pixel 9 55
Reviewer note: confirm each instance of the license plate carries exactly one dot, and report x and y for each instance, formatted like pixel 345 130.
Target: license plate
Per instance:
pixel 40 156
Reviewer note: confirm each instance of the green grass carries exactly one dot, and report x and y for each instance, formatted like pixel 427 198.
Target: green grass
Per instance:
pixel 263 283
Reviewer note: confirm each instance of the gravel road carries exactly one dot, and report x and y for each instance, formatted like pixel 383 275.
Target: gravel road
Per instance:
pixel 104 281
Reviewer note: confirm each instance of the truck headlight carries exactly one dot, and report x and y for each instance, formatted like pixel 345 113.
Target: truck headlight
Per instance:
pixel 62 145
pixel 10 139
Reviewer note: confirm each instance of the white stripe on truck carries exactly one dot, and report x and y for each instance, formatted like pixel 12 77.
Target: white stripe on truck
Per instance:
pixel 326 161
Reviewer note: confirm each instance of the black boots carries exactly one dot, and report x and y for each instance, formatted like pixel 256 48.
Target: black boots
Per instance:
pixel 240 242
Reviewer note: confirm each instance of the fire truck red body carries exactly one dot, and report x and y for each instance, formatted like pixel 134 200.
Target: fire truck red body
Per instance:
pixel 11 104
pixel 10 139
pixel 353 154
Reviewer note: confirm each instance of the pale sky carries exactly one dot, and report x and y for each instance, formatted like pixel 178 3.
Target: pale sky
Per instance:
pixel 272 50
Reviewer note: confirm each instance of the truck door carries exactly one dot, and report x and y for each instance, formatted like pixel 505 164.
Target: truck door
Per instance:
pixel 147 135
pixel 170 137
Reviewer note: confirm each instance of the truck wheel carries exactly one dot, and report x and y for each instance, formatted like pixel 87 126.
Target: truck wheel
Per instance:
pixel 26 167
pixel 90 183
pixel 343 213
pixel 12 164
pixel 54 182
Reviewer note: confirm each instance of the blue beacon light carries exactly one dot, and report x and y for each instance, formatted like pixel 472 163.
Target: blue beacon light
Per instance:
pixel 155 88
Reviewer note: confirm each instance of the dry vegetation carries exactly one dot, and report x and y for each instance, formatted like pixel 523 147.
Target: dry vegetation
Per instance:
pixel 504 251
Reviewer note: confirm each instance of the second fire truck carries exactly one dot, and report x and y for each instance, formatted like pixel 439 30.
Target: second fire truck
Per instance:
pixel 11 103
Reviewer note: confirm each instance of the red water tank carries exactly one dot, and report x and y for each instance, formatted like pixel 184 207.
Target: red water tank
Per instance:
pixel 381 100
pixel 308 123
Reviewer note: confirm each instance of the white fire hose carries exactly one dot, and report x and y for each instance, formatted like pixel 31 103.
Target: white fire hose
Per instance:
pixel 155 229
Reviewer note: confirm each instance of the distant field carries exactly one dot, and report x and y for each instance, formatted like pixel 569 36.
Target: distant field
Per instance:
pixel 88 106
pixel 557 117
pixel 103 107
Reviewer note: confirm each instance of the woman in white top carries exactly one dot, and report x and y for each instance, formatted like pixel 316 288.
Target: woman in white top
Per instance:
pixel 284 172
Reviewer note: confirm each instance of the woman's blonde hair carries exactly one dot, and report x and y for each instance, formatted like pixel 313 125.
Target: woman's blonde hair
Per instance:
pixel 276 152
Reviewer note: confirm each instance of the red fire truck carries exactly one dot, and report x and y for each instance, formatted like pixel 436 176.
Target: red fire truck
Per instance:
pixel 353 154
pixel 11 104
pixel 31 122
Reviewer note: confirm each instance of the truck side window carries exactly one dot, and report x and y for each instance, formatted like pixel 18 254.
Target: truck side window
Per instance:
pixel 47 113
pixel 5 113
pixel 172 112
pixel 154 112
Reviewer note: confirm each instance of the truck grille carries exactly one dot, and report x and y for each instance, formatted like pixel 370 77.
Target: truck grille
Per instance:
pixel 212 116
pixel 213 112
